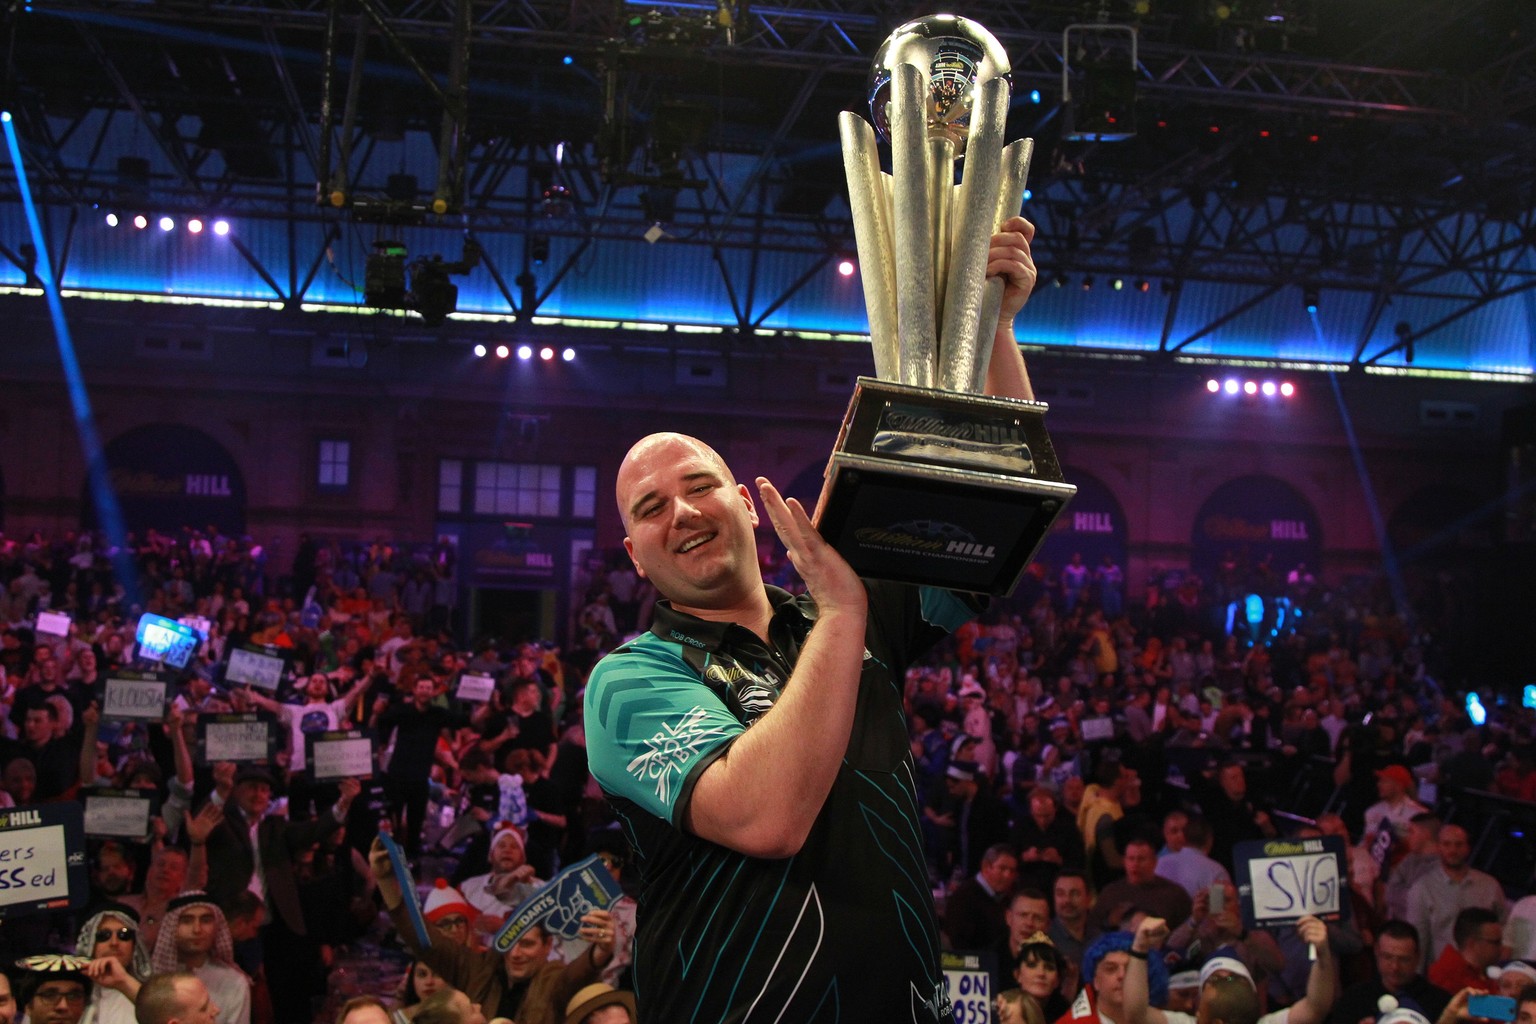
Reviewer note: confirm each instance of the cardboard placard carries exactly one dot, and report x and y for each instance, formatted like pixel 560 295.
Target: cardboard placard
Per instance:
pixel 475 688
pixel 134 697
pixel 42 858
pixel 53 623
pixel 559 903
pixel 1281 881
pixel 342 754
pixel 1095 729
pixel 254 668
pixel 968 984
pixel 120 813
pixel 244 738
pixel 408 889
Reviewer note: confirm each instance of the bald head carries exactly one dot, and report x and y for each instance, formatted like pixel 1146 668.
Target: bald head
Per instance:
pixel 645 451
pixel 690 526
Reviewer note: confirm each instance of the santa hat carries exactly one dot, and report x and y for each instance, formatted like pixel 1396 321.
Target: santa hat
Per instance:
pixel 1520 967
pixel 445 901
pixel 507 830
pixel 1394 1013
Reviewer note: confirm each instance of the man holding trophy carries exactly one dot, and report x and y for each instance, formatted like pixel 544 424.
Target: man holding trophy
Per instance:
pixel 753 742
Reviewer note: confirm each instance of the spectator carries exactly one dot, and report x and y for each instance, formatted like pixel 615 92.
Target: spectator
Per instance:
pixel 523 984
pixel 1142 888
pixel 510 881
pixel 1420 854
pixel 1396 808
pixel 1448 889
pixel 1070 929
pixel 1039 970
pixel 195 939
pixel 119 963
pixel 601 1004
pixel 1234 816
pixel 1047 840
pixel 1476 941
pixel 1397 958
pixel 1029 912
pixel 974 915
pixel 1191 866
pixel 54 996
pixel 363 1010
pixel 449 1006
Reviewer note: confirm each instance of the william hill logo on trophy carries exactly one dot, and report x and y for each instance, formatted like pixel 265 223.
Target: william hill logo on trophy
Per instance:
pixel 931 482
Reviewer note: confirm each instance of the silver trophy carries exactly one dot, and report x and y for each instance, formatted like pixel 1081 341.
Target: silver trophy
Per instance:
pixel 930 481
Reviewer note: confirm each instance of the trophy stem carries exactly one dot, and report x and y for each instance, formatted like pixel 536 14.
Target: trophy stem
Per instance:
pixel 870 202
pixel 1015 173
pixel 941 151
pixel 975 218
pixel 913 227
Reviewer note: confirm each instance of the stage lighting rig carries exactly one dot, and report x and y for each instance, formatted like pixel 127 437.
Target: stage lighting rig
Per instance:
pixel 421 286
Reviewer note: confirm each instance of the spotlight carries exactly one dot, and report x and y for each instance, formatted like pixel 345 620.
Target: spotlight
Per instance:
pixel 479 351
pixel 1268 387
pixel 1028 195
pixel 569 355
pixel 1309 297
pixel 1287 389
pixel 221 228
pixel 1230 387
pixel 1119 284
pixel 1250 388
pixel 502 351
pixel 167 224
pixel 111 220
pixel 1143 286
pixel 1059 281
pixel 1088 283
pixel 567 60
pixel 525 352
pixel 1034 95
pixel 1213 385
pixel 195 226
pixel 845 267
pixel 546 353
pixel 140 221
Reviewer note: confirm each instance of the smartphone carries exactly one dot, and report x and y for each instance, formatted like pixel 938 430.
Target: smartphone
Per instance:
pixel 1218 899
pixel 1491 1007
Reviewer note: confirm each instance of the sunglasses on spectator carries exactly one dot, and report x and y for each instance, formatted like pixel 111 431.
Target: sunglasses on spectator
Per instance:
pixel 456 921
pixel 123 934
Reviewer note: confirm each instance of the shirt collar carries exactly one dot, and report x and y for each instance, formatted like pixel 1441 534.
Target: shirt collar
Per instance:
pixel 707 635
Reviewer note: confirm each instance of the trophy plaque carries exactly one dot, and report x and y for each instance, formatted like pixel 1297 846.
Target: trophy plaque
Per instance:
pixel 931 482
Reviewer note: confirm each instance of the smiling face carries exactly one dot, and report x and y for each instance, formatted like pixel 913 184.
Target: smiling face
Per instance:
pixel 527 954
pixel 690 524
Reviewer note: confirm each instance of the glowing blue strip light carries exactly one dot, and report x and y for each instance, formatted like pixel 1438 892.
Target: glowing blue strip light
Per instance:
pixel 108 512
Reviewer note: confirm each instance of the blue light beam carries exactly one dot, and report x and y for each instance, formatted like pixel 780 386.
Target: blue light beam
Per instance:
pixel 108 512
pixel 1372 505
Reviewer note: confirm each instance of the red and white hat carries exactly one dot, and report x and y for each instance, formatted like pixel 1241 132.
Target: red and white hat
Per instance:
pixel 445 901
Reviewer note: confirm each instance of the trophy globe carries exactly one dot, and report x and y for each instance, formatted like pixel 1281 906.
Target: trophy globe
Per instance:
pixel 957 52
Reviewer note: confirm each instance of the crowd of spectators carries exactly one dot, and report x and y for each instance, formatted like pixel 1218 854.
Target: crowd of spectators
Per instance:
pixel 1089 765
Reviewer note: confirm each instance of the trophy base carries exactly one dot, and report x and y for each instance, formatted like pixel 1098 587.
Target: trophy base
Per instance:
pixel 941 488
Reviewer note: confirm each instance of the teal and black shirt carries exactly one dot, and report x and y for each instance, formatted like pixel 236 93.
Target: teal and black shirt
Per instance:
pixel 842 931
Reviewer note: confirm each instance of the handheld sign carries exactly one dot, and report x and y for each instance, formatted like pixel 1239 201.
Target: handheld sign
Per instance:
pixel 134 697
pixel 53 623
pixel 475 688
pixel 42 858
pixel 163 639
pixel 559 903
pixel 1279 881
pixel 120 813
pixel 407 888
pixel 242 738
pixel 968 984
pixel 342 754
pixel 254 668
pixel 1095 729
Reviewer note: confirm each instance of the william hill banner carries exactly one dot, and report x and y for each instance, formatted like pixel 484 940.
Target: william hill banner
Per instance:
pixel 1254 518
pixel 167 476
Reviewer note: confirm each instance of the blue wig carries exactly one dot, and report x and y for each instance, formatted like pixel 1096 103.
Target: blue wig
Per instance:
pixel 1120 942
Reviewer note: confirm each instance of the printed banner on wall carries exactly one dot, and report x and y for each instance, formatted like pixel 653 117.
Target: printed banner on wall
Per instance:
pixel 167 476
pixel 1252 531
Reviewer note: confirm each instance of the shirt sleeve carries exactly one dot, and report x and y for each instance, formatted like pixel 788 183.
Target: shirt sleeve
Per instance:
pixel 653 727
